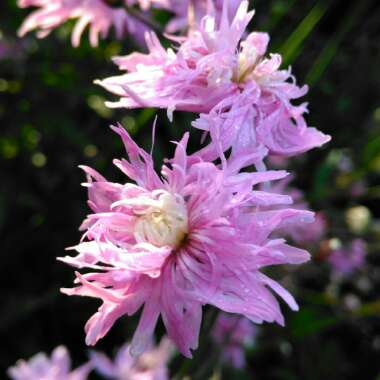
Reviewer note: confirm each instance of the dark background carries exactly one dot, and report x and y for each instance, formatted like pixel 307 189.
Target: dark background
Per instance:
pixel 53 119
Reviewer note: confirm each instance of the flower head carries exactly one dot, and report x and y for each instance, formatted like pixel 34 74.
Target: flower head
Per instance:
pixel 151 365
pixel 244 98
pixel 234 333
pixel 194 236
pixel 41 367
pixel 346 260
pixel 97 14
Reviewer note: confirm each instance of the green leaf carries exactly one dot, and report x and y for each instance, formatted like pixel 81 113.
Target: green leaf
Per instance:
pixel 293 45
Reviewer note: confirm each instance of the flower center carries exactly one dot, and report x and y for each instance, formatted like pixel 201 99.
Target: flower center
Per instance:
pixel 163 221
pixel 247 61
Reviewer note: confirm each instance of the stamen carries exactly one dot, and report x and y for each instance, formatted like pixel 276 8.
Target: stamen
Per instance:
pixel 164 221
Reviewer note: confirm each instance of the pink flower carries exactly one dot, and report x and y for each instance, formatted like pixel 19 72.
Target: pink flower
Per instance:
pixel 313 233
pixel 245 100
pixel 174 243
pixel 97 14
pixel 41 367
pixel 234 333
pixel 192 11
pixel 152 365
pixel 347 260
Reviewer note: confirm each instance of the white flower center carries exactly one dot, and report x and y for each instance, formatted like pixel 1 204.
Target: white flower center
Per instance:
pixel 247 62
pixel 163 221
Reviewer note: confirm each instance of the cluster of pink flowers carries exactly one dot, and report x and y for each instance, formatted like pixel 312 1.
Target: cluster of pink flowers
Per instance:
pixel 41 367
pixel 243 97
pixel 202 232
pixel 152 365
pixel 234 334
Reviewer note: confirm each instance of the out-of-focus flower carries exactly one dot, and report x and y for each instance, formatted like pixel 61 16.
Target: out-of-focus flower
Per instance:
pixel 311 233
pixel 195 236
pixel 346 260
pixel 151 365
pixel 358 188
pixel 245 100
pixel 358 218
pixel 11 49
pixel 5 49
pixel 41 367
pixel 334 244
pixel 188 13
pixel 98 15
pixel 234 334
pixel 351 302
pixel 302 233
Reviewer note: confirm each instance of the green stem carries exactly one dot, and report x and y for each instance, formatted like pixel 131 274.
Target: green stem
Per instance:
pixel 291 48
